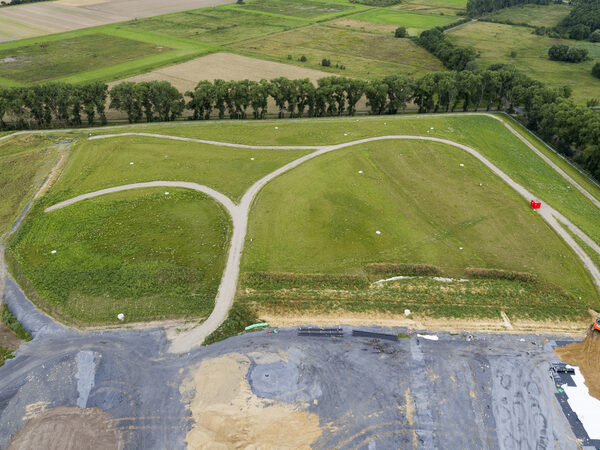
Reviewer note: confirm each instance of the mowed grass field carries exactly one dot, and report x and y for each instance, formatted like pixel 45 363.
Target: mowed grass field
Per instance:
pixel 145 254
pixel 483 133
pixel 365 55
pixel 24 164
pixel 414 22
pixel 534 15
pixel 495 43
pixel 323 217
pixel 96 165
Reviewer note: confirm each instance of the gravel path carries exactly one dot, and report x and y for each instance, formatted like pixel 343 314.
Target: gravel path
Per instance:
pixel 239 214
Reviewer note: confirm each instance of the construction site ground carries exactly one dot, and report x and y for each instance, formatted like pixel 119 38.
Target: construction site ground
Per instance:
pixel 278 390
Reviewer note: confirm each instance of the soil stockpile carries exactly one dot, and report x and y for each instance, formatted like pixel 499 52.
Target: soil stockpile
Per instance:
pixel 228 414
pixel 67 428
pixel 586 356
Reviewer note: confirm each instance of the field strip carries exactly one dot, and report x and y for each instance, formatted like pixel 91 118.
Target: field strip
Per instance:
pixel 240 212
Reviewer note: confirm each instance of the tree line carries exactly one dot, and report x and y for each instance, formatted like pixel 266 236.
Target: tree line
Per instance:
pixel 582 21
pixel 477 7
pixel 573 129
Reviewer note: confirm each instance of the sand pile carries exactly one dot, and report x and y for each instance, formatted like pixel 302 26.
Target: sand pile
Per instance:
pixel 586 356
pixel 66 428
pixel 227 414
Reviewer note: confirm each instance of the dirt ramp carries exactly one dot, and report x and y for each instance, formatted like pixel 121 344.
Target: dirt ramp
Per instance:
pixel 68 428
pixel 586 356
pixel 227 414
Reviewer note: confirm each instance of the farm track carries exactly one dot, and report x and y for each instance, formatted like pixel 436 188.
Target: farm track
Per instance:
pixel 240 212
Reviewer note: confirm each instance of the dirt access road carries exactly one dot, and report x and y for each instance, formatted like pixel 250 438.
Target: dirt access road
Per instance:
pixel 37 19
pixel 239 214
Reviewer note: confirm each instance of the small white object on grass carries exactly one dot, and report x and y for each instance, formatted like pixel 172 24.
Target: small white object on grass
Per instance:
pixel 131 163
pixel 120 316
pixel 54 251
pixel 378 232
pixel 167 193
pixel 277 128
pixel 480 184
pixel 461 165
pixel 431 128
pixel 360 171
pixel 407 312
pixel 345 134
pixel 251 159
pixel 460 248
pixel 384 123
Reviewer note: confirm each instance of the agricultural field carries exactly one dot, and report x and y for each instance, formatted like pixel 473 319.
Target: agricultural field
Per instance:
pixel 533 15
pixel 440 7
pixel 304 9
pixel 312 238
pixel 38 19
pixel 415 22
pixel 146 254
pixel 225 66
pixel 365 55
pixel 215 25
pixel 529 53
pixel 43 61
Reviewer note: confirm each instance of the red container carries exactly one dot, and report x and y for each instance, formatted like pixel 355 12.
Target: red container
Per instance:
pixel 536 204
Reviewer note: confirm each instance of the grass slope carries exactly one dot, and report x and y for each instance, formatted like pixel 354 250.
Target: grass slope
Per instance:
pixel 100 164
pixel 485 134
pixel 495 43
pixel 323 217
pixel 143 253
pixel 24 163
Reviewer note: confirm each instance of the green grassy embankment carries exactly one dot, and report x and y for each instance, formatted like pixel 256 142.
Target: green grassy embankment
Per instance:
pixel 25 161
pixel 323 217
pixel 146 254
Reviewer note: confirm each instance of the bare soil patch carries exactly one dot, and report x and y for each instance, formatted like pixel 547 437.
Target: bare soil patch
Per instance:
pixel 66 428
pixel 586 356
pixel 228 414
pixel 571 329
pixel 225 66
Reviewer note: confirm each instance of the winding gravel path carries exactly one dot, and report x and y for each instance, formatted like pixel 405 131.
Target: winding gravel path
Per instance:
pixel 239 214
